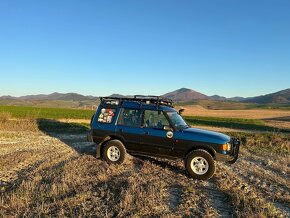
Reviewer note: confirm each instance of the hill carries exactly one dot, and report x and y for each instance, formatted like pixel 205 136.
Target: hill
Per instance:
pixel 181 96
pixel 281 97
pixel 58 96
pixel 189 95
pixel 184 94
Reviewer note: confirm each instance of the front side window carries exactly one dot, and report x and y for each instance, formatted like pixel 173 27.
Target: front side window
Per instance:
pixel 176 120
pixel 106 115
pixel 155 119
pixel 130 117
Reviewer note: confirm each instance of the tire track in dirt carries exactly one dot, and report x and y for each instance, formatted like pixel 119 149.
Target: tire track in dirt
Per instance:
pixel 218 200
pixel 273 178
pixel 274 163
pixel 246 185
pixel 267 166
pixel 174 193
pixel 281 193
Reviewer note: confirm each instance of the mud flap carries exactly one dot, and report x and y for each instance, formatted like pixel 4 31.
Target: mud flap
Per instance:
pixel 98 151
pixel 90 137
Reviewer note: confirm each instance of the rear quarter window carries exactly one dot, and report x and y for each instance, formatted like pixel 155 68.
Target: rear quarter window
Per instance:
pixel 107 115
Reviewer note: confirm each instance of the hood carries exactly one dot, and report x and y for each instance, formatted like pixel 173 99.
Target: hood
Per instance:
pixel 206 135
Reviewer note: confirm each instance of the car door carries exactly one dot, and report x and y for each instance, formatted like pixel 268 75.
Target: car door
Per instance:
pixel 155 140
pixel 129 128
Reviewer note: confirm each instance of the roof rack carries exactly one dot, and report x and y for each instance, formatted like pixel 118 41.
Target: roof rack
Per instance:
pixel 145 99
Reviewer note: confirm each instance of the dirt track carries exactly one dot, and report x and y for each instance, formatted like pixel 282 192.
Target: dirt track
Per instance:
pixel 56 174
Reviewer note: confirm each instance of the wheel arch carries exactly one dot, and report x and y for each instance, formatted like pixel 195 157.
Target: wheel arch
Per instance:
pixel 105 140
pixel 209 149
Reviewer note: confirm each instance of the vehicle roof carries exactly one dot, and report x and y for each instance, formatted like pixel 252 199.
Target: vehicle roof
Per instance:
pixel 138 105
pixel 139 102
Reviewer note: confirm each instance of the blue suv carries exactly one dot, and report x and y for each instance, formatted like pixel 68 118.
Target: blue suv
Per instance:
pixel 150 126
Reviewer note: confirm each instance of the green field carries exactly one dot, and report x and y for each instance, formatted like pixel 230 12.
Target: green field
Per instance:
pixel 48 113
pixel 234 123
pixel 60 113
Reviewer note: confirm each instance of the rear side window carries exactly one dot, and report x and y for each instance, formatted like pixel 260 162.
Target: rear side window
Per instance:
pixel 130 117
pixel 155 119
pixel 107 115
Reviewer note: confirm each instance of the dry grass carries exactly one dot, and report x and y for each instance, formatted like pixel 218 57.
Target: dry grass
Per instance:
pixel 4 116
pixel 55 174
pixel 196 110
pixel 18 125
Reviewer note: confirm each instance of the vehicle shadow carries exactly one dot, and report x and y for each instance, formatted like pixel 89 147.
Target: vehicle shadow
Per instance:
pixel 164 164
pixel 72 134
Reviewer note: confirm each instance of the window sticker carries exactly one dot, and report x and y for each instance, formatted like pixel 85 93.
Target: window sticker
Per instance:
pixel 106 115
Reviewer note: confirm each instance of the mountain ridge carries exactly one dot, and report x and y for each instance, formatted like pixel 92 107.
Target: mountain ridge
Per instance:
pixel 179 95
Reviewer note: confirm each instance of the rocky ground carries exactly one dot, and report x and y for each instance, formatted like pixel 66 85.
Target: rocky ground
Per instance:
pixel 56 174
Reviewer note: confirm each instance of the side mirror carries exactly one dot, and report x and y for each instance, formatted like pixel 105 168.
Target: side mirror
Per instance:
pixel 167 128
pixel 181 111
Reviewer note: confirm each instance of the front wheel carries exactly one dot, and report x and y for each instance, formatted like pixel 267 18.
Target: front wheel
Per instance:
pixel 200 164
pixel 114 152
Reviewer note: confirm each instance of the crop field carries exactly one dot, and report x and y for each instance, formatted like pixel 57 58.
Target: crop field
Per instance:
pixel 264 114
pixel 48 169
pixel 252 120
pixel 25 112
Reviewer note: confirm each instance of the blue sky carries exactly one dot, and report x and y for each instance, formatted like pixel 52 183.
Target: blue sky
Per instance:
pixel 225 47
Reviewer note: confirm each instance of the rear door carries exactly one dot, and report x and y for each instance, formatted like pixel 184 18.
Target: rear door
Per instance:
pixel 129 128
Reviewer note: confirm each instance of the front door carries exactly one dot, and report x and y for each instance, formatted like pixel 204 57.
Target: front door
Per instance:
pixel 155 140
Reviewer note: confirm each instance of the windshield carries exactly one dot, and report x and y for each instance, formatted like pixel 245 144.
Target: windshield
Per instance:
pixel 176 120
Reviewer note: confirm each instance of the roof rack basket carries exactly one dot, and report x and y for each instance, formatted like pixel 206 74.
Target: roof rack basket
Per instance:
pixel 146 99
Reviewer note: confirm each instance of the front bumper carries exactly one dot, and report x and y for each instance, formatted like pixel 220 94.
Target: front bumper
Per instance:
pixel 231 157
pixel 236 149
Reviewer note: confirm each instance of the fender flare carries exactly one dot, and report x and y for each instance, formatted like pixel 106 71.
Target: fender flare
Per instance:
pixel 103 142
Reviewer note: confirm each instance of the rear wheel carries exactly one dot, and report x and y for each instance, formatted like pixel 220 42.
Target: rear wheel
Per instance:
pixel 114 152
pixel 200 164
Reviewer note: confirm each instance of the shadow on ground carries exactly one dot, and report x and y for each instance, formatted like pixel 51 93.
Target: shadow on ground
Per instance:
pixel 72 134
pixel 285 119
pixel 165 164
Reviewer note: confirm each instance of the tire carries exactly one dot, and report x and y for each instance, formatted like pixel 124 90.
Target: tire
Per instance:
pixel 114 152
pixel 199 164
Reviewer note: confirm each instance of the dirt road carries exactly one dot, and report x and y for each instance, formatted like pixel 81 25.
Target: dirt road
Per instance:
pixel 57 174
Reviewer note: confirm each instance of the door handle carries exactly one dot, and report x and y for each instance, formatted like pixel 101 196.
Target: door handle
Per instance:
pixel 146 133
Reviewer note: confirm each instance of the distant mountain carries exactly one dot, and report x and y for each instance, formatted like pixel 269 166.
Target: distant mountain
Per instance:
pixel 185 94
pixel 180 95
pixel 236 99
pixel 57 96
pixel 7 97
pixel 218 98
pixel 117 96
pixel 281 97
